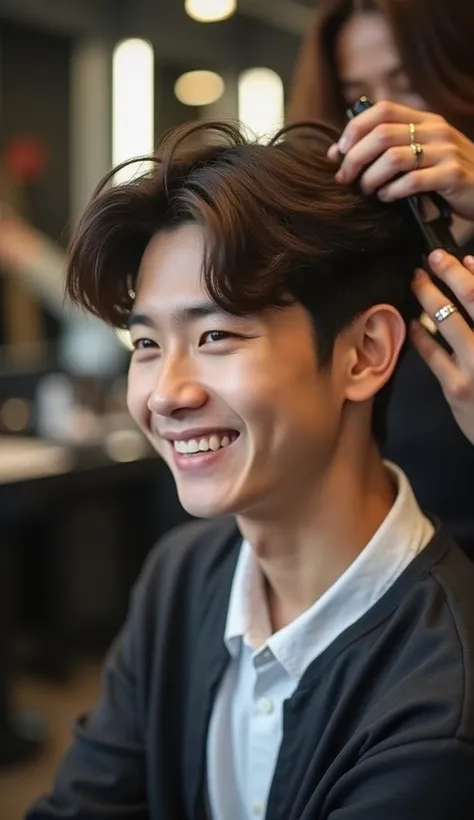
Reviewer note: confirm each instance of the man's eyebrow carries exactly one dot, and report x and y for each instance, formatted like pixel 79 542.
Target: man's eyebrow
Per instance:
pixel 181 315
pixel 140 319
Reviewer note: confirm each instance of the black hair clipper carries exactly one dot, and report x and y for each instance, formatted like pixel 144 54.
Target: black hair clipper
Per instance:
pixel 434 232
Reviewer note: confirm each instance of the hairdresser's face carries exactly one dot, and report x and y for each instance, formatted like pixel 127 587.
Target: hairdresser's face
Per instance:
pixel 235 406
pixel 368 62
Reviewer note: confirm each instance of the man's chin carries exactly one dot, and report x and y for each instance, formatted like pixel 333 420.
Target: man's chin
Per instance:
pixel 204 505
pixel 203 509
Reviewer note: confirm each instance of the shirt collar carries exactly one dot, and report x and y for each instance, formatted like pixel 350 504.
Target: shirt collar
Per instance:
pixel 401 536
pixel 247 617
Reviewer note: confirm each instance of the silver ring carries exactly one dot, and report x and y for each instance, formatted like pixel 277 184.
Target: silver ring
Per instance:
pixel 444 312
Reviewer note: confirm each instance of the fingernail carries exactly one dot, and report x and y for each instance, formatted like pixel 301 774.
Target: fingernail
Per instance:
pixel 340 176
pixel 469 260
pixel 383 194
pixel 419 276
pixel 436 257
pixel 333 152
pixel 343 145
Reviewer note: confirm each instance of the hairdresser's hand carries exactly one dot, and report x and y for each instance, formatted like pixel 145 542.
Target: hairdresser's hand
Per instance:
pixel 455 373
pixel 378 140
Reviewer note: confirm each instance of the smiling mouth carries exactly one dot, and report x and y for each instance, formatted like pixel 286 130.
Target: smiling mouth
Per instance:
pixel 204 444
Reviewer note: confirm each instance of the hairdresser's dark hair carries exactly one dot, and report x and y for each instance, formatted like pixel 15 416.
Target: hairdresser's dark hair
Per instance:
pixel 277 228
pixel 434 39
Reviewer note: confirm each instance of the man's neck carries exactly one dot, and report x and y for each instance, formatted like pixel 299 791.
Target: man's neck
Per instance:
pixel 305 550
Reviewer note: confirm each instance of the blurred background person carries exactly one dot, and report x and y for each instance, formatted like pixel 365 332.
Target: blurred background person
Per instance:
pixel 416 62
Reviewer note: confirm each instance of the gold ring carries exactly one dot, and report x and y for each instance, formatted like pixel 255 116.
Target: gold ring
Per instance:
pixel 444 312
pixel 411 128
pixel 417 150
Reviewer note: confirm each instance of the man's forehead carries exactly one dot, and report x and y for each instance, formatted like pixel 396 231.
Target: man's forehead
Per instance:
pixel 182 240
pixel 180 312
pixel 172 263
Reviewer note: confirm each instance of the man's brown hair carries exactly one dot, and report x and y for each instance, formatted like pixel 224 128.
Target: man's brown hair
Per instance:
pixel 276 224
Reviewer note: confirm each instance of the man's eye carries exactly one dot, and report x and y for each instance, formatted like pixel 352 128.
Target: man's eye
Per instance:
pixel 215 336
pixel 143 344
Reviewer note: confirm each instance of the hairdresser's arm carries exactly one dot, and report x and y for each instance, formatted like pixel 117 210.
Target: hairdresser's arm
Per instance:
pixel 376 147
pixel 454 372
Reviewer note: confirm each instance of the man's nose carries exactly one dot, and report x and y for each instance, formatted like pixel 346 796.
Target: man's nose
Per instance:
pixel 177 388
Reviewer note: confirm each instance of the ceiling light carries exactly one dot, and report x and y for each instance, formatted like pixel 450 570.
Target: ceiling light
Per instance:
pixel 210 11
pixel 261 101
pixel 199 88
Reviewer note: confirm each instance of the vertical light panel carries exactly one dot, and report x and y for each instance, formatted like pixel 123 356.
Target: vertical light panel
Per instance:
pixel 90 125
pixel 133 104
pixel 261 101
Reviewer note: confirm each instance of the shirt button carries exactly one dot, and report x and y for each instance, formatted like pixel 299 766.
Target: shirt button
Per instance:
pixel 263 657
pixel 265 706
pixel 257 808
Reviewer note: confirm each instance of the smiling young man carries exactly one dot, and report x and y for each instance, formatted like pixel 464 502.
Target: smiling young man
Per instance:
pixel 307 654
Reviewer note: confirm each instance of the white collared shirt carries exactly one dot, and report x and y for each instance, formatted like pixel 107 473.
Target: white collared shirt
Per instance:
pixel 246 725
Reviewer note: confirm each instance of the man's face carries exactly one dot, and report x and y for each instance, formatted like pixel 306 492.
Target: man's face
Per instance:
pixel 235 406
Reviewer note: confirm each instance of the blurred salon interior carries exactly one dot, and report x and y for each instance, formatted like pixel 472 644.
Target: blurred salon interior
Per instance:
pixel 83 86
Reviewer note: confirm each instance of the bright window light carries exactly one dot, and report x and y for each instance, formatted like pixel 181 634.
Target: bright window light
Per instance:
pixel 210 11
pixel 199 88
pixel 261 101
pixel 133 109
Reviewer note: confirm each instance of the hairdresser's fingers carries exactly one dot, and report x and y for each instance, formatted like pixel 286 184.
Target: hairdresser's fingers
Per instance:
pixel 381 112
pixel 373 145
pixel 450 178
pixel 458 276
pixel 457 385
pixel 401 160
pixel 333 153
pixel 454 328
pixel 437 359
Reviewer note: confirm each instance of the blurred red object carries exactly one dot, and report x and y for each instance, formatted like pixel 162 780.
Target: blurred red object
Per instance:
pixel 25 159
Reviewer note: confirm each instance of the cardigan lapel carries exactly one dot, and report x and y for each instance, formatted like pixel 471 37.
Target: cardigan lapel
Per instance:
pixel 210 659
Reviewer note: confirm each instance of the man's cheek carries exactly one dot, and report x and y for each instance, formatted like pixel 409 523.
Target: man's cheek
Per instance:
pixel 138 409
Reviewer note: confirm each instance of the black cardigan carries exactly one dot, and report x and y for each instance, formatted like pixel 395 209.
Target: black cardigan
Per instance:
pixel 381 726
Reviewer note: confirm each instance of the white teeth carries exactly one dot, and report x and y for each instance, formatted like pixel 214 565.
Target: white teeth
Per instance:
pixel 204 444
pixel 214 443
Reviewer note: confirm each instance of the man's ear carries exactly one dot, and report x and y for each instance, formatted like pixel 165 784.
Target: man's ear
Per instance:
pixel 374 342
